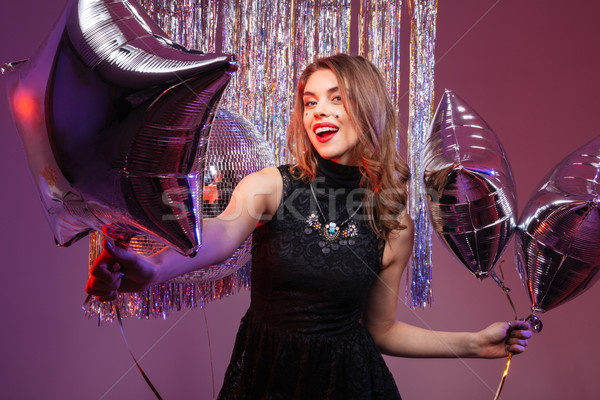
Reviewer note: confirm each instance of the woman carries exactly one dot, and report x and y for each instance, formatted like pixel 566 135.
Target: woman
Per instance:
pixel 332 243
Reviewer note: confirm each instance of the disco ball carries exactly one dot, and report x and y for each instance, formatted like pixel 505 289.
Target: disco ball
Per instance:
pixel 235 149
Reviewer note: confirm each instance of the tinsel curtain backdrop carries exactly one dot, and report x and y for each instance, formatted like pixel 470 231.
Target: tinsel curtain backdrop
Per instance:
pixel 274 41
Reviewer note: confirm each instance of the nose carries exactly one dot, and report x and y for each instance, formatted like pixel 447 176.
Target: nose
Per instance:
pixel 321 110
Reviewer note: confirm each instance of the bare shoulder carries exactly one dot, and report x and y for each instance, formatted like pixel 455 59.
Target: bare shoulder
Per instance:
pixel 398 247
pixel 268 177
pixel 264 186
pixel 271 173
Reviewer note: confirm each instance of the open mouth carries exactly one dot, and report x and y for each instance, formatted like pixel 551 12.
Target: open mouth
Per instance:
pixel 324 132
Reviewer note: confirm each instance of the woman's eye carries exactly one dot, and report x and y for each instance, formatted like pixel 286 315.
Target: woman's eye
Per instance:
pixel 337 98
pixel 309 103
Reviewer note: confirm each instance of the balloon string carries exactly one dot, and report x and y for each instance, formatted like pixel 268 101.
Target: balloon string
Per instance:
pixel 132 356
pixel 85 303
pixel 503 376
pixel 122 240
pixel 212 366
pixel 506 290
pixel 511 304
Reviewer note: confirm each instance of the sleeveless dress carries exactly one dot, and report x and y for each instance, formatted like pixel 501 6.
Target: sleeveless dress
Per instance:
pixel 301 337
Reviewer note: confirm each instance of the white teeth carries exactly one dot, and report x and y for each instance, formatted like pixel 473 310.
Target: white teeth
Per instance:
pixel 326 129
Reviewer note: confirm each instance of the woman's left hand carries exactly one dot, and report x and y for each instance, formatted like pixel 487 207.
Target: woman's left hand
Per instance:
pixel 501 338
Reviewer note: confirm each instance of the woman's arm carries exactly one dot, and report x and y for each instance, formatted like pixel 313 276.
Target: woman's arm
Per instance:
pixel 400 339
pixel 254 199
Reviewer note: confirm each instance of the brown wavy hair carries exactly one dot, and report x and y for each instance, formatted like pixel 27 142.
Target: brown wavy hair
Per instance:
pixel 366 99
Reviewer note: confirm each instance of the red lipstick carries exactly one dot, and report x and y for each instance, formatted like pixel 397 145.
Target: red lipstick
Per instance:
pixel 325 131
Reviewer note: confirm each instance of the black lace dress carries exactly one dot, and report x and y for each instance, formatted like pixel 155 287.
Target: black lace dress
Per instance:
pixel 302 338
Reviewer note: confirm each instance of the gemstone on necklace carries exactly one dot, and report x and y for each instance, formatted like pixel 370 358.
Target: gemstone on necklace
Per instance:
pixel 331 227
pixel 331 231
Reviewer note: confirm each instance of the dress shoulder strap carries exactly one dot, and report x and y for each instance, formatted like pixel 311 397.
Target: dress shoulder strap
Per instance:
pixel 286 177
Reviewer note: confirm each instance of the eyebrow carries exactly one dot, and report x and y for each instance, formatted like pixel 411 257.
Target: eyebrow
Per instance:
pixel 332 90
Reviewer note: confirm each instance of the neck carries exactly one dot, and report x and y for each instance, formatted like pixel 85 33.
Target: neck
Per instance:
pixel 338 175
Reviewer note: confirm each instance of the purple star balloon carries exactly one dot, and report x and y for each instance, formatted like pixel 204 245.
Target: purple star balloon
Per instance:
pixel 114 118
pixel 471 192
pixel 558 238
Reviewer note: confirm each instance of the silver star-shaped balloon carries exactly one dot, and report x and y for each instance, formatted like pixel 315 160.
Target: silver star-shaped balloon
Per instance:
pixel 114 118
pixel 558 239
pixel 472 200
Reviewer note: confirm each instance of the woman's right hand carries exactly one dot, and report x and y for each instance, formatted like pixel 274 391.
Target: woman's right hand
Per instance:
pixel 120 270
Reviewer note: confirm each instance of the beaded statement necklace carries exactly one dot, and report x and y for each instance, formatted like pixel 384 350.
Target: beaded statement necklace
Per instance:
pixel 335 234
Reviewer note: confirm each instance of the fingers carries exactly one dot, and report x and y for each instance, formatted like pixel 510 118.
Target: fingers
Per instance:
pixel 105 285
pixel 518 328
pixel 102 288
pixel 104 293
pixel 119 270
pixel 118 252
pixel 515 349
pixel 523 333
pixel 106 260
pixel 105 271
pixel 105 296
pixel 517 336
pixel 105 278
pixel 519 342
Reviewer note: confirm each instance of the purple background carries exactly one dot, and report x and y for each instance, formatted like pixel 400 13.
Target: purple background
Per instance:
pixel 528 67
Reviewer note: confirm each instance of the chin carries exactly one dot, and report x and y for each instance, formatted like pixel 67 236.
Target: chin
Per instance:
pixel 328 155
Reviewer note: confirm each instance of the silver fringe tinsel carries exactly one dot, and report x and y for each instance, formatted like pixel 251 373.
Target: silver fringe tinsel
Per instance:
pixel 422 62
pixel 274 41
pixel 379 39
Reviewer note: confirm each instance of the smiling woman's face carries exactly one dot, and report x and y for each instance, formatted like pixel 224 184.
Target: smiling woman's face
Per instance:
pixel 327 124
